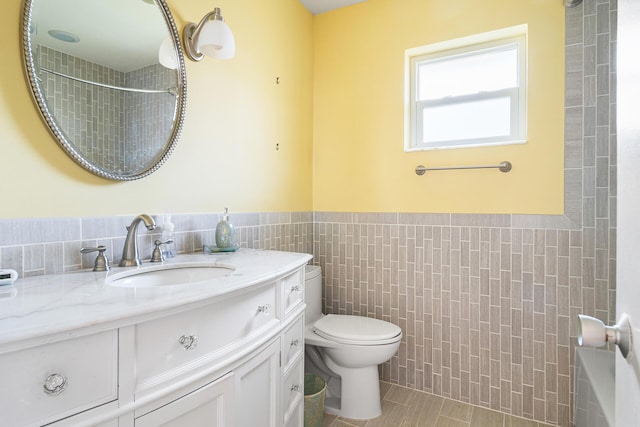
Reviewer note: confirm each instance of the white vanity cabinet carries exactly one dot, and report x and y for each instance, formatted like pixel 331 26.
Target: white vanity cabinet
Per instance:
pixel 233 359
pixel 263 387
pixel 237 337
pixel 236 361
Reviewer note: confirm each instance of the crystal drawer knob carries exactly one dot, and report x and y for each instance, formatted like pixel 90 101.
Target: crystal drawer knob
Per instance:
pixel 294 343
pixel 54 384
pixel 189 342
pixel 264 309
pixel 296 387
pixel 295 288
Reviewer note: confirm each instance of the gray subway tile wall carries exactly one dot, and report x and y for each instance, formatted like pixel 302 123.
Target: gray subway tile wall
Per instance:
pixel 149 117
pixel 47 246
pixel 486 312
pixel 146 131
pixel 105 137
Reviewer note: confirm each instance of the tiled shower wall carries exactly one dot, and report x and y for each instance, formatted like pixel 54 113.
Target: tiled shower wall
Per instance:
pixel 488 303
pixel 148 116
pixel 143 120
pixel 103 135
pixel 49 246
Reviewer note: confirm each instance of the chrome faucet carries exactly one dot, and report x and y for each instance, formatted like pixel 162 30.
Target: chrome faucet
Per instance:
pixel 130 257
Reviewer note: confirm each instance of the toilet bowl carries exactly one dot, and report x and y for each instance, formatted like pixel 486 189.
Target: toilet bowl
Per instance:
pixel 345 351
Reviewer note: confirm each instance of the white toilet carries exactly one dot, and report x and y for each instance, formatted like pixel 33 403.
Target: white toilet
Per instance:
pixel 346 351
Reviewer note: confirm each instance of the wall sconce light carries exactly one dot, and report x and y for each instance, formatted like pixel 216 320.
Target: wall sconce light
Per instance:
pixel 592 332
pixel 211 37
pixel 167 54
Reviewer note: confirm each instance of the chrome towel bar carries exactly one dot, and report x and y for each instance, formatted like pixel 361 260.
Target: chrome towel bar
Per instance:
pixel 504 167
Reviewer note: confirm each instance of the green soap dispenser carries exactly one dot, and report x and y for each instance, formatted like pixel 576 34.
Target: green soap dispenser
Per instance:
pixel 225 232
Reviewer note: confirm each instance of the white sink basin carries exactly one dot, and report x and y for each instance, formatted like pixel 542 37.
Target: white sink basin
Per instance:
pixel 169 276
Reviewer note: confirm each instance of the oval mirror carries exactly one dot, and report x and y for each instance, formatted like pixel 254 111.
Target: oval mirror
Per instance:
pixel 109 80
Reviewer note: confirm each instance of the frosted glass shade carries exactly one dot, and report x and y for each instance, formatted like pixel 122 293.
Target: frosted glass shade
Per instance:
pixel 216 40
pixel 167 54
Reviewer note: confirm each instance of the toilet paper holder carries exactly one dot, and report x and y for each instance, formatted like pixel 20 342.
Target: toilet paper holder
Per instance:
pixel 593 332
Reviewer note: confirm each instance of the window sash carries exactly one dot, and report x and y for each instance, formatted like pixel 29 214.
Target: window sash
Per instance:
pixel 514 123
pixel 516 95
pixel 430 60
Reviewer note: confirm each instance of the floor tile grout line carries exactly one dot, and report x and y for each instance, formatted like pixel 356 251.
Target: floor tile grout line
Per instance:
pixel 406 409
pixel 538 423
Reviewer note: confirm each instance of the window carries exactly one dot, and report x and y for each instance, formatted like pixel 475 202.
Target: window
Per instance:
pixel 467 93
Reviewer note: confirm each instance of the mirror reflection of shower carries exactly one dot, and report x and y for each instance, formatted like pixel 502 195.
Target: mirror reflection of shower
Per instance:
pixel 113 99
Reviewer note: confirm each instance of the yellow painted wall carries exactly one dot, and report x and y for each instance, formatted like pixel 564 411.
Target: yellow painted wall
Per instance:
pixel 341 75
pixel 226 156
pixel 359 159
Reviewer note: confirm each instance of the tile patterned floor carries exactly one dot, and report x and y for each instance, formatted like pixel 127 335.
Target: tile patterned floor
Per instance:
pixel 403 407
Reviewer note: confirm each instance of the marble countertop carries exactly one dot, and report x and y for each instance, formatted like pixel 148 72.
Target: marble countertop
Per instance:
pixel 53 307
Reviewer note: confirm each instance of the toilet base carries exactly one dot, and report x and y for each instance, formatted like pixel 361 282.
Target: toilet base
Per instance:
pixel 360 392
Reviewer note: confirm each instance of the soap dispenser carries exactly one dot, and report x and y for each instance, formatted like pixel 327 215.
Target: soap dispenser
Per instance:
pixel 225 232
pixel 168 235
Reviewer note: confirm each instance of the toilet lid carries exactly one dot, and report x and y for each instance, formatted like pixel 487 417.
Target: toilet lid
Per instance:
pixel 357 330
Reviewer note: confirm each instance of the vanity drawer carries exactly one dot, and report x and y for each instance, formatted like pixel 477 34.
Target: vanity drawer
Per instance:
pixel 292 290
pixel 292 343
pixel 292 390
pixel 83 369
pixel 189 340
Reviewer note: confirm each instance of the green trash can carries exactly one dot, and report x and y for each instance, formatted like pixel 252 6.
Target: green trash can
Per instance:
pixel 314 389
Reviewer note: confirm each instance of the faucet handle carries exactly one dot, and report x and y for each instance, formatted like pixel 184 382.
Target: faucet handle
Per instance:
pixel 157 255
pixel 102 262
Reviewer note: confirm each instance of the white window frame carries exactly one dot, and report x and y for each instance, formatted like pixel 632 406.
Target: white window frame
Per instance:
pixel 454 49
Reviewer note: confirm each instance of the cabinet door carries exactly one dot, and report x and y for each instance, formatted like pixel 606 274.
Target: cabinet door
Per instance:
pixel 209 406
pixel 257 384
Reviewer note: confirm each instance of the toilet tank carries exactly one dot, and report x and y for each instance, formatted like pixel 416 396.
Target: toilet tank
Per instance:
pixel 313 293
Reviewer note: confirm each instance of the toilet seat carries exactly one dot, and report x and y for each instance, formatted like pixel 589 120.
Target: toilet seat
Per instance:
pixel 357 330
